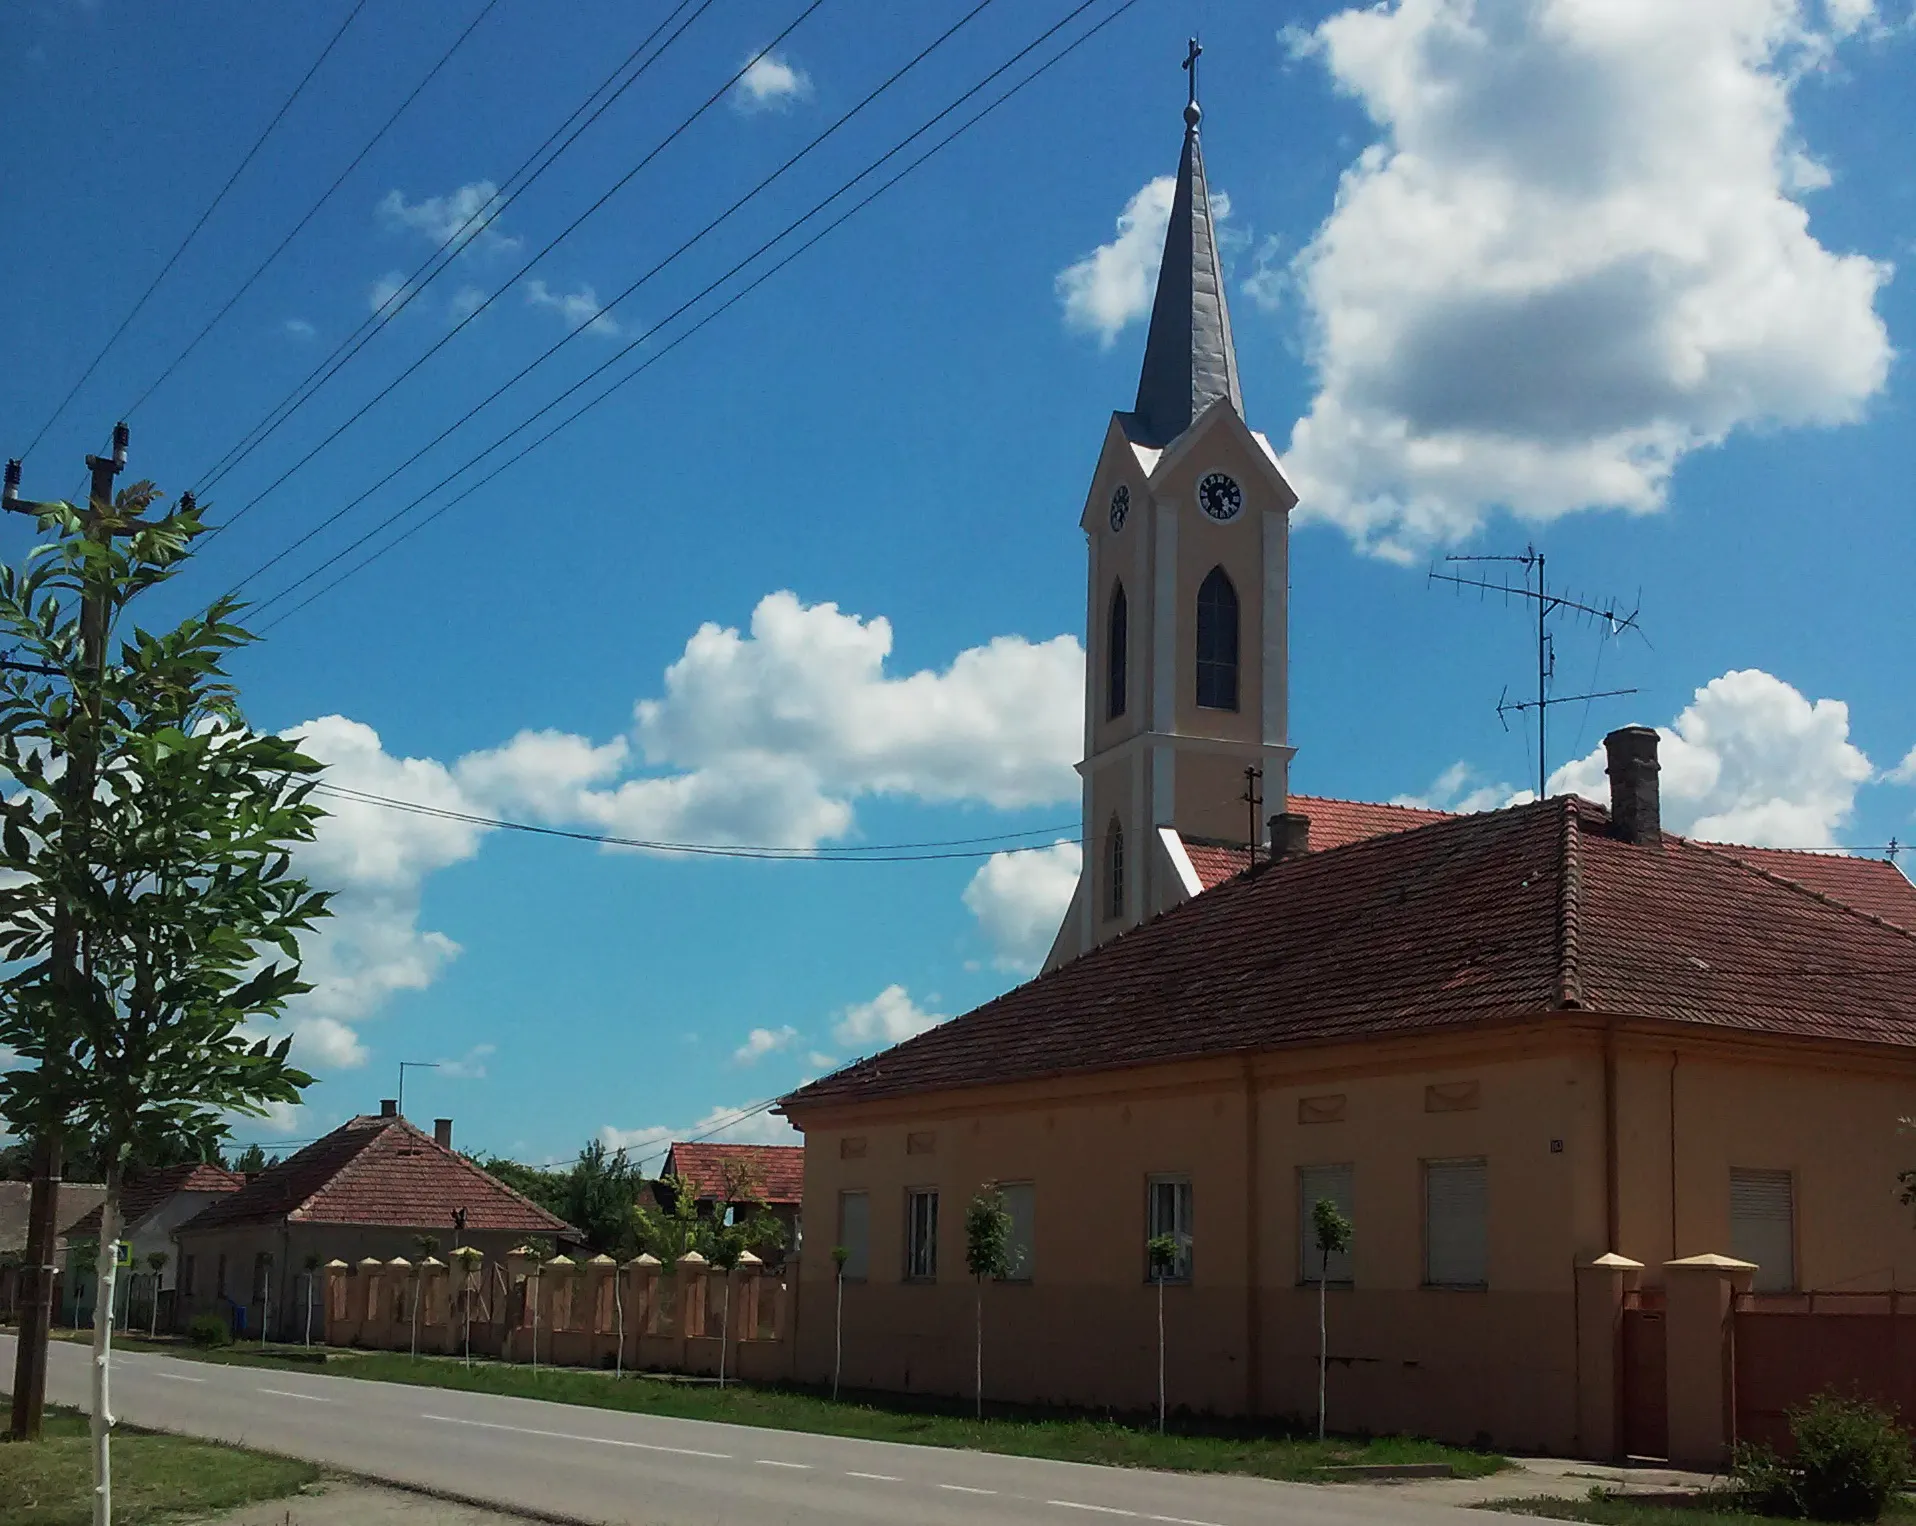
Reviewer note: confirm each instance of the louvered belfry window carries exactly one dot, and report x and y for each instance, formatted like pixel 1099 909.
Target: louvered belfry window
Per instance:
pixel 1117 635
pixel 1456 1224
pixel 1763 1226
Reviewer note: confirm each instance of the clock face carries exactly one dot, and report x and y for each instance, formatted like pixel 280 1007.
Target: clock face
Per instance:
pixel 1120 507
pixel 1220 497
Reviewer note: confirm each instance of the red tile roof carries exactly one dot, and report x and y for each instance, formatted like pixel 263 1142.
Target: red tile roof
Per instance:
pixel 1334 824
pixel 378 1171
pixel 77 1199
pixel 777 1171
pixel 1511 913
pixel 150 1189
pixel 1873 885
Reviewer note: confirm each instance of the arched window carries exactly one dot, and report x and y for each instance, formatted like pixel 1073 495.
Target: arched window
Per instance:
pixel 1114 869
pixel 1217 642
pixel 1115 633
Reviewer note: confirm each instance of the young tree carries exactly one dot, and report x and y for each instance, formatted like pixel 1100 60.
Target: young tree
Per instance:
pixel 428 1248
pixel 1333 1232
pixel 728 1245
pixel 468 1259
pixel 171 870
pixel 840 1255
pixel 987 1254
pixel 598 1195
pixel 311 1266
pixel 265 1298
pixel 156 1264
pixel 1162 1250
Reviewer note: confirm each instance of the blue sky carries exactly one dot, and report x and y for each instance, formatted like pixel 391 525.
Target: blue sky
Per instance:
pixel 1623 281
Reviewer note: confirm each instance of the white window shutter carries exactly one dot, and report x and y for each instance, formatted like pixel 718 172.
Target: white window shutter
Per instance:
pixel 1314 1183
pixel 1763 1227
pixel 1456 1224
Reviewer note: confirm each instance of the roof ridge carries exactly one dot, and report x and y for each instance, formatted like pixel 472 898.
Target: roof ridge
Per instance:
pixel 371 1137
pixel 1569 906
pixel 1728 851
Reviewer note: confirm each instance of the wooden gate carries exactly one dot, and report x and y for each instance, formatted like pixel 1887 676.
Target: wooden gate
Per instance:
pixel 1792 1346
pixel 1645 1391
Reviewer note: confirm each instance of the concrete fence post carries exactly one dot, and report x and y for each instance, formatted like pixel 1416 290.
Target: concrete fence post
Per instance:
pixel 1699 1297
pixel 1602 1284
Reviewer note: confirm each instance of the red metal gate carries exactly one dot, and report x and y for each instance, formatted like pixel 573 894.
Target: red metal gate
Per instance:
pixel 1645 1392
pixel 1792 1346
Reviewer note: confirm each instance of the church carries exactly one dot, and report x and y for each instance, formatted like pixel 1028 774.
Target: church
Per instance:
pixel 1591 1095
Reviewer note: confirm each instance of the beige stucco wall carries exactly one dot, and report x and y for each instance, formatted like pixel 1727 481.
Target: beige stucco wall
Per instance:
pixel 1505 1362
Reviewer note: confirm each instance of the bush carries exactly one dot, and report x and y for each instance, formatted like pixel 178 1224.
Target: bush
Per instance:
pixel 209 1330
pixel 1852 1458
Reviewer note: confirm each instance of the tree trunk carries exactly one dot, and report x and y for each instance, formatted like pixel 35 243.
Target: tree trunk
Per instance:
pixel 102 1420
pixel 1323 1342
pixel 153 1313
pixel 309 1308
pixel 838 1335
pixel 725 1324
pixel 1160 1353
pixel 618 1319
pixel 978 1364
pixel 416 1280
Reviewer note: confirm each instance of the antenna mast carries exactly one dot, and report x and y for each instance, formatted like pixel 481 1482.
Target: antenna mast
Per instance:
pixel 1546 604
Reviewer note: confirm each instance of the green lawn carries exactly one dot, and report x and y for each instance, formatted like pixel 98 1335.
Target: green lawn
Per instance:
pixel 1601 1509
pixel 155 1478
pixel 1193 1446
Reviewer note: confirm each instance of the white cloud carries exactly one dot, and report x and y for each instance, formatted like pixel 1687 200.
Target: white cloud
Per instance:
pixel 299 328
pixel 471 1066
pixel 1112 286
pixel 1750 760
pixel 819 1060
pixel 1460 788
pixel 722 1124
pixel 465 302
pixel 771 83
pixel 579 309
pixel 456 220
pixel 388 287
pixel 1020 899
pixel 763 1041
pixel 1905 771
pixel 888 1018
pixel 1571 257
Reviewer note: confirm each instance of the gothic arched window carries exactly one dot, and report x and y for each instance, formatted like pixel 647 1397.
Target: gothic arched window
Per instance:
pixel 1217 642
pixel 1114 642
pixel 1114 869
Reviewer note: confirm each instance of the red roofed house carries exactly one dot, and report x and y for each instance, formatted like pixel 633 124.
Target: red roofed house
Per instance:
pixel 723 1175
pixel 368 1189
pixel 1576 1082
pixel 152 1205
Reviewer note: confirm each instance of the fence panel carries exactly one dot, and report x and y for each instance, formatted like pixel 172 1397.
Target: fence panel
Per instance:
pixel 1646 1422
pixel 1792 1346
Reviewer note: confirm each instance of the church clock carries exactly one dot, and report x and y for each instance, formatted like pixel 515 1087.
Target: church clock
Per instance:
pixel 1220 497
pixel 1120 507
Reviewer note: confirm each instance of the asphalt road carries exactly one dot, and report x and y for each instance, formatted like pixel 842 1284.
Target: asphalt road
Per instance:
pixel 597 1465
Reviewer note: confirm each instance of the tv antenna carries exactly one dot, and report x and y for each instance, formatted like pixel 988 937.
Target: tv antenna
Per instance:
pixel 1546 604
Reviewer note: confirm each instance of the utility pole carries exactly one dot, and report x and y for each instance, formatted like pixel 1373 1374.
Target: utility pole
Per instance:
pixel 82 767
pixel 1546 604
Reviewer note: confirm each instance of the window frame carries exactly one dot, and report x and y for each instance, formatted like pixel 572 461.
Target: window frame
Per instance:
pixel 1117 633
pixel 1451 1162
pixel 1211 638
pixel 913 1246
pixel 1183 1225
pixel 1306 1231
pixel 1759 1283
pixel 863 1274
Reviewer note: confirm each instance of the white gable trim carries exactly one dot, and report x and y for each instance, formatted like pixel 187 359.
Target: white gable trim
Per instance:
pixel 1201 427
pixel 1186 871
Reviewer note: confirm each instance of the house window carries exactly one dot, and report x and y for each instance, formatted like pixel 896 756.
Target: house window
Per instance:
pixel 1114 869
pixel 1456 1224
pixel 921 1235
pixel 1763 1227
pixel 1168 1212
pixel 186 1277
pixel 1115 634
pixel 854 1233
pixel 1217 642
pixel 219 1276
pixel 1314 1184
pixel 1021 1204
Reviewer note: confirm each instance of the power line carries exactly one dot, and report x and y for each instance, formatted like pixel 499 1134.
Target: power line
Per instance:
pixel 313 211
pixel 559 344
pixel 193 232
pixel 667 348
pixel 879 853
pixel 666 142
pixel 416 283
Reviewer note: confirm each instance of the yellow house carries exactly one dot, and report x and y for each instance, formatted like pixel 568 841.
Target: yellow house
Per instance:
pixel 1537 1055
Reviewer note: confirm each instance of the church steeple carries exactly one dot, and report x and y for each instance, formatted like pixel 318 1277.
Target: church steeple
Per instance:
pixel 1189 360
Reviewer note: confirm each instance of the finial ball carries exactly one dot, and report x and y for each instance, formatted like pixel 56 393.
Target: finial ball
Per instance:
pixel 1192 114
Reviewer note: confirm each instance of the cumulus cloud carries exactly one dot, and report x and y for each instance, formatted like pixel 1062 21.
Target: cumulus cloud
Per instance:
pixel 1905 771
pixel 1112 285
pixel 1019 900
pixel 580 309
pixel 771 83
pixel 888 1018
pixel 1573 255
pixel 763 1041
pixel 1750 760
pixel 1462 789
pixel 724 1125
pixel 456 220
pixel 471 1066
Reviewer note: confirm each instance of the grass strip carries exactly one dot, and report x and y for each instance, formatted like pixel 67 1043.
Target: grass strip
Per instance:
pixel 1601 1508
pixel 156 1478
pixel 1188 1446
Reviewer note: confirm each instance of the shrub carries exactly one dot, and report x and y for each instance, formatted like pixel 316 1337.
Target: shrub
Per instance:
pixel 209 1330
pixel 1852 1458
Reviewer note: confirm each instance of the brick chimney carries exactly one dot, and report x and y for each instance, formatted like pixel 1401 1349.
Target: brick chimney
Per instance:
pixel 1636 813
pixel 388 1107
pixel 442 1132
pixel 1290 836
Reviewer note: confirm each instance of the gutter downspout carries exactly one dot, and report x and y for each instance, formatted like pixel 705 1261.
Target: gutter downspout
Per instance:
pixel 1612 1204
pixel 1253 1311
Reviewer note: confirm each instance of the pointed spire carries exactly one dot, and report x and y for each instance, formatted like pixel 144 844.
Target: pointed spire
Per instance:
pixel 1189 359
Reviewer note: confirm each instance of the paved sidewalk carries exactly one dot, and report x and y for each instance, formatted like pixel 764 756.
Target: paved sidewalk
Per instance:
pixel 345 1502
pixel 1547 1477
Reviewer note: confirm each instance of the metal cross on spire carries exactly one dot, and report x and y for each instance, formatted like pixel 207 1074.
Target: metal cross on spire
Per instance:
pixel 1192 111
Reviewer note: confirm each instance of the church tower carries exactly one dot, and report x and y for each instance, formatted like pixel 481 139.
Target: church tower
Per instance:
pixel 1188 525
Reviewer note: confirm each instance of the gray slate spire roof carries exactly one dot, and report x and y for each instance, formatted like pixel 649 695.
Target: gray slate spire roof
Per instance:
pixel 1189 360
